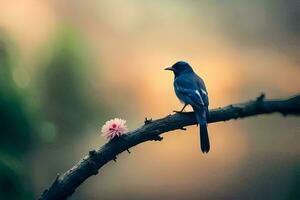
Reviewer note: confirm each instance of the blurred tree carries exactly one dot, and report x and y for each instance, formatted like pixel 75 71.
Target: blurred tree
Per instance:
pixel 62 105
pixel 16 128
pixel 65 98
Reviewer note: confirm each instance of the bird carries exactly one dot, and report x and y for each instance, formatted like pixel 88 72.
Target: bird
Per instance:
pixel 191 90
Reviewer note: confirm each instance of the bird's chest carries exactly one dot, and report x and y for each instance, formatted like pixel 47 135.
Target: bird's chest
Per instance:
pixel 180 95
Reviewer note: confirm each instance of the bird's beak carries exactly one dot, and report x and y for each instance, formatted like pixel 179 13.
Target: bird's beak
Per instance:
pixel 169 68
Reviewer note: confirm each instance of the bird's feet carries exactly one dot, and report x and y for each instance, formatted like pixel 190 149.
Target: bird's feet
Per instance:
pixel 180 112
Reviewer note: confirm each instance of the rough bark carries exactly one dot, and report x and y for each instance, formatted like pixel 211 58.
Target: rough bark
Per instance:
pixel 65 185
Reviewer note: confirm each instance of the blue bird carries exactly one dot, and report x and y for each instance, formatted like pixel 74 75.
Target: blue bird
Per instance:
pixel 190 90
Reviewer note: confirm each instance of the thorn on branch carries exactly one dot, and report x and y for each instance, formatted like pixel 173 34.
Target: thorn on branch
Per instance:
pixel 147 121
pixel 128 151
pixel 261 97
pixel 284 114
pixel 182 128
pixel 260 100
pixel 44 193
pixel 92 163
pixel 93 167
pixel 55 182
pixel 158 138
pixel 56 179
pixel 231 106
pixel 115 159
pixel 92 153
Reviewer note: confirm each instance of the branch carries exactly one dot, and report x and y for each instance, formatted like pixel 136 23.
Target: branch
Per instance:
pixel 65 185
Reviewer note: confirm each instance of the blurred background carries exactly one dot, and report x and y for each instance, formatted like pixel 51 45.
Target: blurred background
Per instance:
pixel 68 66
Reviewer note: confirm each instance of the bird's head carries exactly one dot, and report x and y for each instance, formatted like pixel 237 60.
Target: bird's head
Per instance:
pixel 180 67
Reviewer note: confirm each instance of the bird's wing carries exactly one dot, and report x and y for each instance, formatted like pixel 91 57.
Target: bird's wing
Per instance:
pixel 190 92
pixel 202 89
pixel 204 96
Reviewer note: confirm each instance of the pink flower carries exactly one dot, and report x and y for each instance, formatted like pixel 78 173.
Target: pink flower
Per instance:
pixel 113 128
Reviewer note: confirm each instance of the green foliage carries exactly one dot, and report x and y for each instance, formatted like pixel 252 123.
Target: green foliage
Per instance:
pixel 64 97
pixel 56 104
pixel 16 130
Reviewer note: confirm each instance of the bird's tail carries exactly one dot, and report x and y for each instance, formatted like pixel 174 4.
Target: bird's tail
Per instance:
pixel 204 138
pixel 201 119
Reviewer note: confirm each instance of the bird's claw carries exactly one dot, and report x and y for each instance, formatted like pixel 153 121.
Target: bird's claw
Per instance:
pixel 180 112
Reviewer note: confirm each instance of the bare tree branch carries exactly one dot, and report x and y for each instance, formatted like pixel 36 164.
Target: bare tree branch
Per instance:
pixel 65 185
